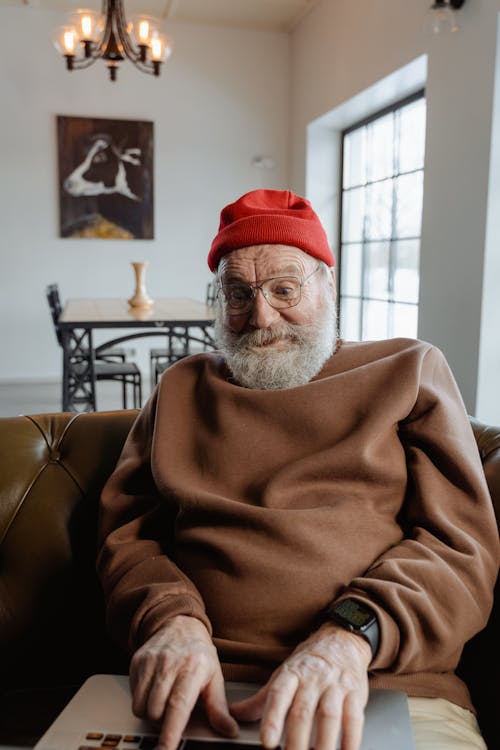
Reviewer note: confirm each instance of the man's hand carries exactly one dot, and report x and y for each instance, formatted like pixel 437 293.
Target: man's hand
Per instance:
pixel 325 678
pixel 168 674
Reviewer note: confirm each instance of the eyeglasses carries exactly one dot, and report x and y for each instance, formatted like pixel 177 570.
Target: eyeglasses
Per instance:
pixel 279 292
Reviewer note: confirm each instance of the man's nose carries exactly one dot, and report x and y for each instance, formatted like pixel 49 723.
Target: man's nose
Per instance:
pixel 262 315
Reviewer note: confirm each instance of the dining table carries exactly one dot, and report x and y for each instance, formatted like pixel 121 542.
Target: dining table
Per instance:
pixel 169 318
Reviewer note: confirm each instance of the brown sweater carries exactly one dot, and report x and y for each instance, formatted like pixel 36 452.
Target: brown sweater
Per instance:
pixel 253 510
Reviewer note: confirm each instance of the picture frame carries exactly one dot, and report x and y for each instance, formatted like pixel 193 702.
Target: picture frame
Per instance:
pixel 105 169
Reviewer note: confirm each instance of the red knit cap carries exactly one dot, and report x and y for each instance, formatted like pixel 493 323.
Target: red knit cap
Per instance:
pixel 270 217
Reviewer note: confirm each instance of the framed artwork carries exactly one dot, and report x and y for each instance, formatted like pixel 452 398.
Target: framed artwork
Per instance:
pixel 105 178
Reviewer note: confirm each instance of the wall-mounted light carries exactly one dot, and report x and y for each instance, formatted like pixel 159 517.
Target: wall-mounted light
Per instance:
pixel 263 162
pixel 441 17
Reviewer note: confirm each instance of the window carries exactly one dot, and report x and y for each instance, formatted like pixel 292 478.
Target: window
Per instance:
pixel 381 213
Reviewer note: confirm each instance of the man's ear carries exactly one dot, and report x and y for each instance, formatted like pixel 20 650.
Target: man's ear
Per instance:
pixel 333 283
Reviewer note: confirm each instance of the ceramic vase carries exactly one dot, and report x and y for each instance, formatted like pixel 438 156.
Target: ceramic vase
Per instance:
pixel 141 298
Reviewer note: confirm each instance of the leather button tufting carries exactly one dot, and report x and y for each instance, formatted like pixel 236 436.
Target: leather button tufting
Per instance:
pixel 55 457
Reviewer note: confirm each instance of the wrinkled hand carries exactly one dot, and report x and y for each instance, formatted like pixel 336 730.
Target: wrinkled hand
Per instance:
pixel 325 678
pixel 168 674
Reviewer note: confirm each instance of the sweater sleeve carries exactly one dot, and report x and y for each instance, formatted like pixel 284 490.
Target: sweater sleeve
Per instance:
pixel 142 586
pixel 433 591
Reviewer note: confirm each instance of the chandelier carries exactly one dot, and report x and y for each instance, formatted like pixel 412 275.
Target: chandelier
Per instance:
pixel 89 36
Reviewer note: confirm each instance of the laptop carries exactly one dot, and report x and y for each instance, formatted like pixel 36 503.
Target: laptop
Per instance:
pixel 100 716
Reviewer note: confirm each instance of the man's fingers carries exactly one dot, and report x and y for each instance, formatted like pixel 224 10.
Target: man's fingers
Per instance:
pixel 250 709
pixel 159 691
pixel 300 718
pixel 352 722
pixel 280 695
pixel 217 709
pixel 181 701
pixel 328 720
pixel 141 675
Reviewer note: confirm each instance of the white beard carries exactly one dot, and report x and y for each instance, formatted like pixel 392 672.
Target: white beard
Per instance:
pixel 254 365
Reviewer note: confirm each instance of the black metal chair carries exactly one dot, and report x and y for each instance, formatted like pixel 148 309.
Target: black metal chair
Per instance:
pixel 110 364
pixel 178 345
pixel 211 293
pixel 113 354
pixel 161 358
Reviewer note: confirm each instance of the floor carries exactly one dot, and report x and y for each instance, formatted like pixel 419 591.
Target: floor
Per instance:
pixel 45 397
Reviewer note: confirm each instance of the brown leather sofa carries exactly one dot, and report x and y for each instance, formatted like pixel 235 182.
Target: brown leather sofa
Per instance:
pixel 52 632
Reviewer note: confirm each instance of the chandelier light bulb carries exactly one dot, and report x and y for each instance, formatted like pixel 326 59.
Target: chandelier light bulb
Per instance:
pixel 157 48
pixel 65 40
pixel 144 31
pixel 143 28
pixel 161 47
pixel 88 25
pixel 69 42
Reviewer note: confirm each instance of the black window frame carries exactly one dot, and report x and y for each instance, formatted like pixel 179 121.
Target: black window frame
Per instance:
pixel 420 94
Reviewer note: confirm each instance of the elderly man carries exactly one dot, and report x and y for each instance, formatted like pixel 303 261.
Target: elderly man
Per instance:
pixel 298 511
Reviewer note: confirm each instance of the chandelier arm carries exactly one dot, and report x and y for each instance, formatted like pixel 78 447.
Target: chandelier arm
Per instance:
pixel 84 62
pixel 146 67
pixel 107 12
pixel 96 50
pixel 108 49
pixel 121 29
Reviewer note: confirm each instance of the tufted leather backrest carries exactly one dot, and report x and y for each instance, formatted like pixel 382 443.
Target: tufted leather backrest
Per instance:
pixel 52 470
pixel 479 663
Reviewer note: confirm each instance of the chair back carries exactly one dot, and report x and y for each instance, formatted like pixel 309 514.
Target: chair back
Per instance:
pixel 54 300
pixel 211 293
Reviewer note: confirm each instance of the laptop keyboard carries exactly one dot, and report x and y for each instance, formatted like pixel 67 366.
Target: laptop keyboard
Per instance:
pixel 108 741
pixel 103 741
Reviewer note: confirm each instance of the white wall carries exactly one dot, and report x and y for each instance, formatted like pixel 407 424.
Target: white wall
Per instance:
pixel 342 49
pixel 225 97
pixel 221 100
pixel 489 350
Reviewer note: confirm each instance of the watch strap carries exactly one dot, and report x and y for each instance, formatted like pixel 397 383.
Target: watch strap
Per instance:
pixel 370 632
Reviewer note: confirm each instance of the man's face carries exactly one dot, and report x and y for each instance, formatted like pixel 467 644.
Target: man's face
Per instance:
pixel 268 347
pixel 255 264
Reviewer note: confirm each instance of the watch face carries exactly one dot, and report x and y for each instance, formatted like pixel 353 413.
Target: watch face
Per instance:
pixel 354 613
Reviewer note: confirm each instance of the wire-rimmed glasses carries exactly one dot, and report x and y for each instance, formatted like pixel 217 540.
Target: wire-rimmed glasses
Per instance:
pixel 279 291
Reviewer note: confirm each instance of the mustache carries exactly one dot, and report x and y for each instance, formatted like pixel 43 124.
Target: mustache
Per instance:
pixel 262 336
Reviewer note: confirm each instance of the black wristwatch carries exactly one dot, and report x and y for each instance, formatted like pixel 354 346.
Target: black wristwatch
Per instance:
pixel 357 617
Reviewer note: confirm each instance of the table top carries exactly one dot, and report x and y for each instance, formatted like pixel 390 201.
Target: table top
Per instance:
pixel 117 313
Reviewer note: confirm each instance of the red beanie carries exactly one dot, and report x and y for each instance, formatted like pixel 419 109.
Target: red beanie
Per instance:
pixel 270 217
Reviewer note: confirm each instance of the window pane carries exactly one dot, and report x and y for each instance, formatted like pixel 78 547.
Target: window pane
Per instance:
pixel 354 158
pixel 375 315
pixel 381 224
pixel 406 271
pixel 378 224
pixel 409 189
pixel 380 148
pixel 350 311
pixel 351 274
pixel 377 270
pixel 405 320
pixel 353 207
pixel 412 136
